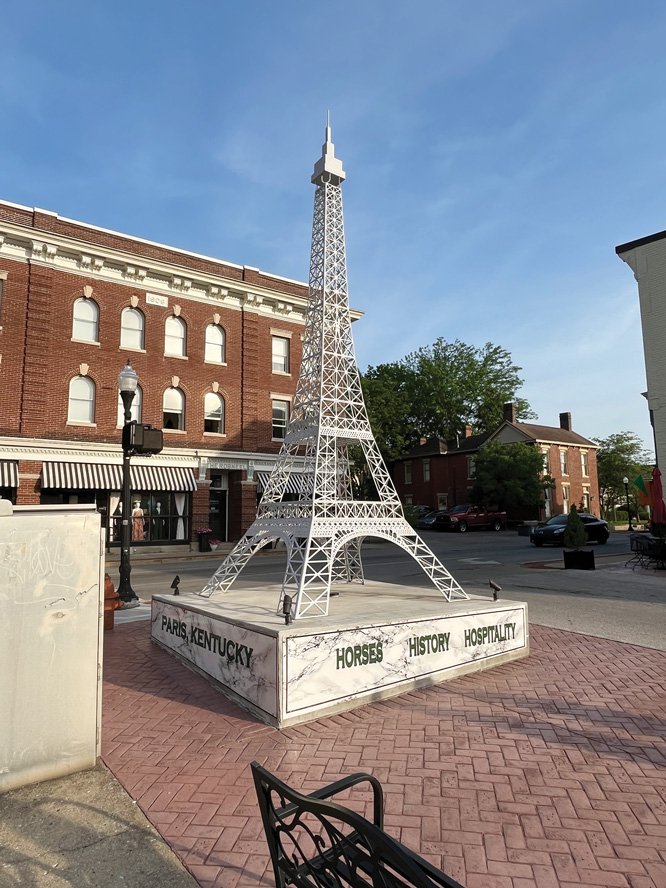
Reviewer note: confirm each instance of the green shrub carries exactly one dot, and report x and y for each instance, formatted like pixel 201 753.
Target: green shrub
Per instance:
pixel 574 533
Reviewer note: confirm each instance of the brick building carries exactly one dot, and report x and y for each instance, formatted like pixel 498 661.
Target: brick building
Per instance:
pixel 440 474
pixel 217 348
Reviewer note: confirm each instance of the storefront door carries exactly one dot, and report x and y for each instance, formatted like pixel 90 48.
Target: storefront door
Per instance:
pixel 217 515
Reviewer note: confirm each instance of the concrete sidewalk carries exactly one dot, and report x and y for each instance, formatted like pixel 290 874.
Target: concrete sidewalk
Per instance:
pixel 83 831
pixel 550 771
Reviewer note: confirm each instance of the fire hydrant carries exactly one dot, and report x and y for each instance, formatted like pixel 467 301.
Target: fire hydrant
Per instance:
pixel 111 601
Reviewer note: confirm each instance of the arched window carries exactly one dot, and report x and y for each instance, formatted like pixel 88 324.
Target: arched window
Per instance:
pixel 174 337
pixel 215 344
pixel 173 409
pixel 85 320
pixel 214 413
pixel 81 405
pixel 136 409
pixel 132 324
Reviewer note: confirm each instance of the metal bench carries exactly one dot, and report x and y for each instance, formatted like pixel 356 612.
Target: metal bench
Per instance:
pixel 315 843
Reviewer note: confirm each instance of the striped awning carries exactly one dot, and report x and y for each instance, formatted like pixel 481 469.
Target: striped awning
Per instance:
pixel 97 476
pixel 9 473
pixel 293 484
pixel 174 478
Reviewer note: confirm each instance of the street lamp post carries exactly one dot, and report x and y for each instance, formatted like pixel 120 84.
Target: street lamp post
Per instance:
pixel 127 383
pixel 625 481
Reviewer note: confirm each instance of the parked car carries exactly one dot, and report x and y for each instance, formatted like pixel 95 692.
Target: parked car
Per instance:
pixel 466 516
pixel 552 531
pixel 427 522
pixel 419 511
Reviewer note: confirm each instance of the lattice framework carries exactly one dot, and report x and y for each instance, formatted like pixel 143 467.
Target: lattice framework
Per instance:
pixel 324 529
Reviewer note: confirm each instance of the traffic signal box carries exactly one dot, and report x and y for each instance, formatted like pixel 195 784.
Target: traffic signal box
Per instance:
pixel 143 439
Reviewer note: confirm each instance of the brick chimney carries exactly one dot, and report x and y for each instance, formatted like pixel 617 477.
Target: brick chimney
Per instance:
pixel 565 421
pixel 510 412
pixel 469 431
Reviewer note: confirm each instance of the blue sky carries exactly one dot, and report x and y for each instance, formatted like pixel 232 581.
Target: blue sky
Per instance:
pixel 496 153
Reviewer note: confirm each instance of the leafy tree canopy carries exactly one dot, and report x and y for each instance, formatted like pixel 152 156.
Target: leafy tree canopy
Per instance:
pixel 508 476
pixel 620 456
pixel 438 390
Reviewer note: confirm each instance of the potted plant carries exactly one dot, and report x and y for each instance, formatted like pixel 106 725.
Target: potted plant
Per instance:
pixel 573 540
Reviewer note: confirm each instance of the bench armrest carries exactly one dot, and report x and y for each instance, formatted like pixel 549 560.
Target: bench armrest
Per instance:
pixel 353 780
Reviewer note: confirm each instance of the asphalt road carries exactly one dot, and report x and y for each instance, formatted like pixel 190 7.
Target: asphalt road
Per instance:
pixel 611 602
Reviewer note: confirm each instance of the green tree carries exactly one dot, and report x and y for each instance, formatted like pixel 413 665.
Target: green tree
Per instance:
pixel 438 390
pixel 574 532
pixel 509 477
pixel 620 456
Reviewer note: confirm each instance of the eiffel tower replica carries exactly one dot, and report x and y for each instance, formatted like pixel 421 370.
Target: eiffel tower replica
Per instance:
pixel 324 528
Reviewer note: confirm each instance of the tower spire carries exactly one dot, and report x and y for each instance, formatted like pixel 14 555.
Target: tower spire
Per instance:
pixel 328 168
pixel 325 527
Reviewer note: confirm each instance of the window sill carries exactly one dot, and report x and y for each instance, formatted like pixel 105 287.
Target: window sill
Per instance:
pixel 88 425
pixel 174 431
pixel 177 357
pixel 131 348
pixel 86 341
pixel 281 373
pixel 278 440
pixel 216 363
pixel 215 434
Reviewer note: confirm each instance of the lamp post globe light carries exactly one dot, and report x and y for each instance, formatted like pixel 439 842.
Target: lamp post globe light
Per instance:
pixel 625 481
pixel 128 381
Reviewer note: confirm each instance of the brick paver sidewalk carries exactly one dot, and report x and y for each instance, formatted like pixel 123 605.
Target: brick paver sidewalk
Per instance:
pixel 550 771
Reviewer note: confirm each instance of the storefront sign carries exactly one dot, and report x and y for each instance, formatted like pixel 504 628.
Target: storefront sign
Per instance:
pixel 227 463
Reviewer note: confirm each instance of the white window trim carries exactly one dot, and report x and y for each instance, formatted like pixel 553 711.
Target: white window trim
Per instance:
pixel 278 397
pixel 288 355
pixel 564 452
pixel 86 342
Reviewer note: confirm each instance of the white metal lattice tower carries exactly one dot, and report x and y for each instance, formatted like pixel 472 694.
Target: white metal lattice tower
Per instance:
pixel 325 527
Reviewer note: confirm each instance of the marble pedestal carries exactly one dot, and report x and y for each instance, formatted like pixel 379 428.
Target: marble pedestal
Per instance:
pixel 378 640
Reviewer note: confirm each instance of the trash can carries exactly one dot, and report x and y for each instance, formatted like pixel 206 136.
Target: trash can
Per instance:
pixel 204 540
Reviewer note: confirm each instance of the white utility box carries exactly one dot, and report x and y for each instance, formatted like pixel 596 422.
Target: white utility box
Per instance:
pixel 51 609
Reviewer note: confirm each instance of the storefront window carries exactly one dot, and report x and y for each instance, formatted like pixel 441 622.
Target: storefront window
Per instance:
pixel 161 517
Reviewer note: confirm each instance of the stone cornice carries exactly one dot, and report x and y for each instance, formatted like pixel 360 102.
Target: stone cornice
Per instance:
pixel 74 451
pixel 24 244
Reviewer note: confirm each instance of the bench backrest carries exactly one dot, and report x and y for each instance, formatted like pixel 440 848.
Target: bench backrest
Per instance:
pixel 321 843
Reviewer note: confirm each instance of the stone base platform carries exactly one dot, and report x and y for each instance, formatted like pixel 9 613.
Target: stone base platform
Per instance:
pixel 378 640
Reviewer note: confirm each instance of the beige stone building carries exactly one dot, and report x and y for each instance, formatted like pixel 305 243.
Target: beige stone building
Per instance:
pixel 647 259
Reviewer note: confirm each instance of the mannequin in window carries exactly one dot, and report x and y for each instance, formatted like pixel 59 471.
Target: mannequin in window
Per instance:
pixel 158 523
pixel 137 521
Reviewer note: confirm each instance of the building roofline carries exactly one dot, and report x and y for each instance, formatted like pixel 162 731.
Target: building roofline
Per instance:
pixel 641 242
pixel 150 243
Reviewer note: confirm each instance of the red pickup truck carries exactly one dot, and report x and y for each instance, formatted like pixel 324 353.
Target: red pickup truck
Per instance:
pixel 463 517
